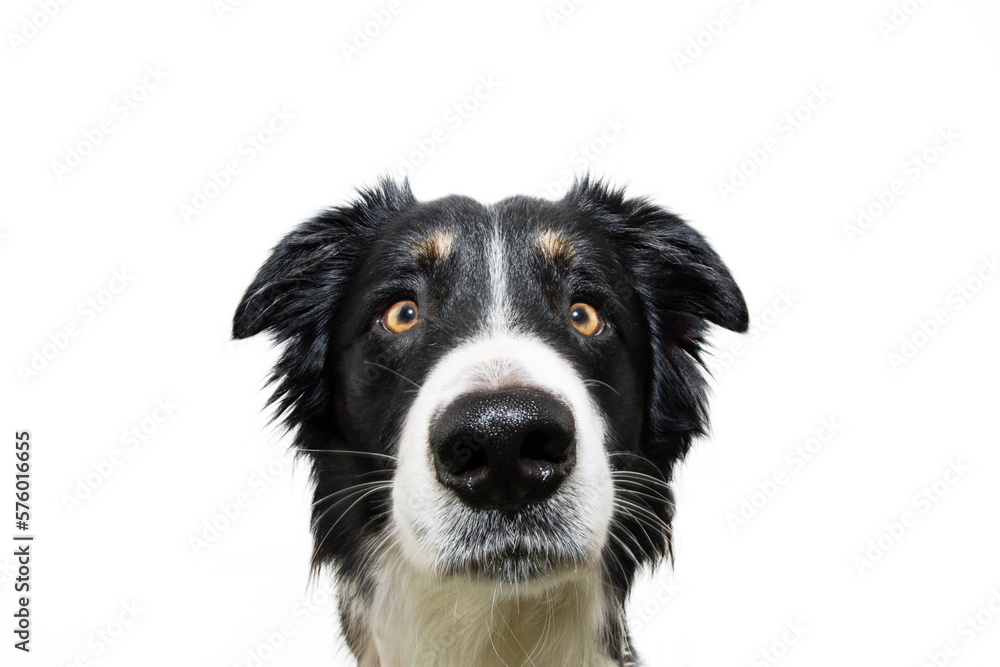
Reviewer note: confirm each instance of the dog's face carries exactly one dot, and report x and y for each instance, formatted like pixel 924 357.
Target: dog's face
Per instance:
pixel 498 391
pixel 487 349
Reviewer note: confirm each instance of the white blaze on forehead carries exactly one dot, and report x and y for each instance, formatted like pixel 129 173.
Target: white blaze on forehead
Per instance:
pixel 496 257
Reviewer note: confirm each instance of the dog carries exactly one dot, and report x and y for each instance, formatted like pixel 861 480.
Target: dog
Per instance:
pixel 493 399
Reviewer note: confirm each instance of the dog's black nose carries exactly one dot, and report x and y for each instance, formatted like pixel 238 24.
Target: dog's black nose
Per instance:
pixel 503 450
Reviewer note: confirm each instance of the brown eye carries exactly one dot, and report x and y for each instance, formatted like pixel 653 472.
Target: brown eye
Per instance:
pixel 585 319
pixel 400 317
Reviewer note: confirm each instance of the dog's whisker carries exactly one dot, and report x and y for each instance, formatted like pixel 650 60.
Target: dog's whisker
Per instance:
pixel 364 495
pixel 630 482
pixel 627 550
pixel 354 487
pixel 662 534
pixel 592 381
pixel 394 372
pixel 641 477
pixel 635 455
pixel 377 471
pixel 617 520
pixel 389 539
pixel 652 495
pixel 493 607
pixel 350 451
pixel 635 488
pixel 645 510
pixel 635 473
pixel 642 524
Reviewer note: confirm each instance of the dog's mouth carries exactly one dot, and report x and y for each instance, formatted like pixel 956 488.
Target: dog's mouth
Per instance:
pixel 532 543
pixel 517 568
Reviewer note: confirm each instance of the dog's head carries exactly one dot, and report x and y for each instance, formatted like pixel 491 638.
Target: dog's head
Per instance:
pixel 497 390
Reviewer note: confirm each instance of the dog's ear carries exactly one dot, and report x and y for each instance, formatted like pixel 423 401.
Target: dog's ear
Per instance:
pixel 296 292
pixel 673 264
pixel 682 272
pixel 301 281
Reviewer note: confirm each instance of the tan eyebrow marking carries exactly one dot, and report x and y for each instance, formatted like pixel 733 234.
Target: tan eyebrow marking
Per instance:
pixel 434 248
pixel 555 246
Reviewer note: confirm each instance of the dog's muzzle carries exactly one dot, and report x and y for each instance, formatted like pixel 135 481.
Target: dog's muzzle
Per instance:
pixel 503 450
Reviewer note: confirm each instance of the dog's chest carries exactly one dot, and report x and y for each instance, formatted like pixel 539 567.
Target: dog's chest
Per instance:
pixel 420 621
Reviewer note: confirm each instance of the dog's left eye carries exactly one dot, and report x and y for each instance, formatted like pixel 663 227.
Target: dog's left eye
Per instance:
pixel 586 319
pixel 400 317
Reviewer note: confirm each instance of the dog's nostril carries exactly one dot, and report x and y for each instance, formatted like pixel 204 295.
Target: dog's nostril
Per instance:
pixel 504 449
pixel 461 456
pixel 544 446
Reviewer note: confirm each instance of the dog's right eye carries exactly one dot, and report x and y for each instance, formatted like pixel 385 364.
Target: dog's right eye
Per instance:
pixel 586 319
pixel 400 317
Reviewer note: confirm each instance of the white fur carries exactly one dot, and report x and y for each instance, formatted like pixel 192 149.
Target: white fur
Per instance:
pixel 496 261
pixel 422 620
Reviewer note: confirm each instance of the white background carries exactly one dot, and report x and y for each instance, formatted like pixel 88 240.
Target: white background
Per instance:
pixel 830 305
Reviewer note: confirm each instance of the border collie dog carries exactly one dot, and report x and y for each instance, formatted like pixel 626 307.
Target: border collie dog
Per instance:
pixel 493 399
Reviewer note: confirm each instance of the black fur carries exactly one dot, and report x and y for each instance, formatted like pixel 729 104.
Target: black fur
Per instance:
pixel 343 385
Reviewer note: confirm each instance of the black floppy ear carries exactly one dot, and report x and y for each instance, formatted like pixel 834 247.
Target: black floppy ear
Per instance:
pixel 301 281
pixel 685 273
pixel 297 290
pixel 673 264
